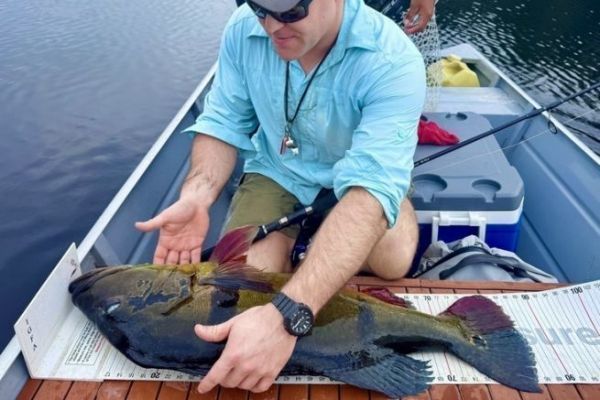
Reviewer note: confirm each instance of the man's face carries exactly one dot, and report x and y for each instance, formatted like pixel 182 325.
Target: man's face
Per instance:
pixel 292 41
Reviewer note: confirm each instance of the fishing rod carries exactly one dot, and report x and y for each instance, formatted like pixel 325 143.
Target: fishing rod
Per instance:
pixel 327 199
pixel 324 202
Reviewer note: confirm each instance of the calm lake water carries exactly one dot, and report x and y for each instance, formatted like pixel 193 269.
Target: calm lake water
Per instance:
pixel 86 88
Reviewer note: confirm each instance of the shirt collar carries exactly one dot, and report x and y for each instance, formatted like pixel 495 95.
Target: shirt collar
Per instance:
pixel 256 30
pixel 357 26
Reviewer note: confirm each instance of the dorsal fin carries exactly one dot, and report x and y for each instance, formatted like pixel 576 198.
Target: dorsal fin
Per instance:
pixel 238 276
pixel 232 247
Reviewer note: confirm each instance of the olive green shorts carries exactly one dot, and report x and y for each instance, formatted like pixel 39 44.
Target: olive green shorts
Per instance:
pixel 258 201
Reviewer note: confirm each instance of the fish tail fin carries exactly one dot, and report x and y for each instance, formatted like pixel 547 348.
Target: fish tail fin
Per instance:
pixel 493 345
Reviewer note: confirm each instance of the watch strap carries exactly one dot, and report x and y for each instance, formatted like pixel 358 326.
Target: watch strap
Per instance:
pixel 284 304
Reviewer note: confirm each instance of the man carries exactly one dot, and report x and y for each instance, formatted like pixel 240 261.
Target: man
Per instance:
pixel 334 91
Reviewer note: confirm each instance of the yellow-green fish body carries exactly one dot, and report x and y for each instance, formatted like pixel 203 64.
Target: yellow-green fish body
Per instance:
pixel 148 312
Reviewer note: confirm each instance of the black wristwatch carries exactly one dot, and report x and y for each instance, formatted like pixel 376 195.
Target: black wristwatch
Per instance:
pixel 298 318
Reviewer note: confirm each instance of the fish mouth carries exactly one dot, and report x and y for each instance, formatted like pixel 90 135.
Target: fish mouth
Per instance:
pixel 85 281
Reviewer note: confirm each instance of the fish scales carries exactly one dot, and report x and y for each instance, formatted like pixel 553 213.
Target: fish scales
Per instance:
pixel 148 313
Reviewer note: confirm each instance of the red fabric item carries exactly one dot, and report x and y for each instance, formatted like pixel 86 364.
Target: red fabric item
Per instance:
pixel 430 133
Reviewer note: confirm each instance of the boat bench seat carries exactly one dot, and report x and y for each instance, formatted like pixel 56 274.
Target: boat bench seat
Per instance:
pixel 480 100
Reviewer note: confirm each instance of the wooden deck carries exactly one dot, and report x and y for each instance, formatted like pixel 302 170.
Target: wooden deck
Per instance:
pixel 118 390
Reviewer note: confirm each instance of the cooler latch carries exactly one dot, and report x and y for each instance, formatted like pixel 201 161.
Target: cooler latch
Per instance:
pixel 449 218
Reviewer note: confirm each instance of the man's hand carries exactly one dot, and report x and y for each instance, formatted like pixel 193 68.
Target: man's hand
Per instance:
pixel 423 11
pixel 257 349
pixel 183 227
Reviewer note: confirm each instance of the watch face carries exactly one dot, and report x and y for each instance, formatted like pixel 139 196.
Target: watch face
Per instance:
pixel 301 322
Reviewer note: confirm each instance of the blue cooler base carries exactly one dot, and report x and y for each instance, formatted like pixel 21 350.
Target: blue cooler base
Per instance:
pixel 501 236
pixel 467 190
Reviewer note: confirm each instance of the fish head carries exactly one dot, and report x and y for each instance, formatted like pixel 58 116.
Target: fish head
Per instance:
pixel 148 312
pixel 128 303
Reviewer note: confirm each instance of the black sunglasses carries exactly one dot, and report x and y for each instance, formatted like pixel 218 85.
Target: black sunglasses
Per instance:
pixel 294 14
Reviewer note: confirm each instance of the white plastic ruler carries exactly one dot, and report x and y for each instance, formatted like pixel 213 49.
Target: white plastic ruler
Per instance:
pixel 561 325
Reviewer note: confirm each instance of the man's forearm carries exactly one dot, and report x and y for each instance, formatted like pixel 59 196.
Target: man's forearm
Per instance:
pixel 340 248
pixel 211 164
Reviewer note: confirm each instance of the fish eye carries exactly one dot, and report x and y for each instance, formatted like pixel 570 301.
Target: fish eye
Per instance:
pixel 111 305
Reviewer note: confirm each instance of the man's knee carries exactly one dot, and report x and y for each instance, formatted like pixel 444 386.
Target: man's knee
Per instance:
pixel 271 254
pixel 393 255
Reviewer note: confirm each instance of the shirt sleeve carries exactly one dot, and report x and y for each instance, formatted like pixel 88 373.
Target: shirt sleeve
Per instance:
pixel 228 112
pixel 380 159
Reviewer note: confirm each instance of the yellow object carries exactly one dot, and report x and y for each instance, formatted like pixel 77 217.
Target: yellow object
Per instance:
pixel 454 72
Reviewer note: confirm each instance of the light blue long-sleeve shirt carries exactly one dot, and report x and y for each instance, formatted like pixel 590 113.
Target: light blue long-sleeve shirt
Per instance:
pixel 357 124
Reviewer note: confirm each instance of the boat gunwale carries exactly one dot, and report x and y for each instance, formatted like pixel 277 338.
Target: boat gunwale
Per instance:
pixel 504 77
pixel 88 241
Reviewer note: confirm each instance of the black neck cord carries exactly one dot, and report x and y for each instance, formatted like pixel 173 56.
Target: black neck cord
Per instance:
pixel 312 77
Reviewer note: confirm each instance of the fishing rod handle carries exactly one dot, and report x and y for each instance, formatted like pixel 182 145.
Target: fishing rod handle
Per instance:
pixel 319 206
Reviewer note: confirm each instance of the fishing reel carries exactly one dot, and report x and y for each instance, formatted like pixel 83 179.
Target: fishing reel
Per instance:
pixel 308 227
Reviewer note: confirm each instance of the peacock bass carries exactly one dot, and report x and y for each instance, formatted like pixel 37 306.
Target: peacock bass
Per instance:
pixel 148 312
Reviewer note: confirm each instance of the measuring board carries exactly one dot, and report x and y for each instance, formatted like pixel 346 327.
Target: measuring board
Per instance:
pixel 561 325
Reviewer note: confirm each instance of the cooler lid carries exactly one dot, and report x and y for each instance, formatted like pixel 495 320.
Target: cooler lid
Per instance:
pixel 476 177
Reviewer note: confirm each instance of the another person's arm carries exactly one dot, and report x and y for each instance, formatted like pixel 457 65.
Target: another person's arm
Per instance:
pixel 418 15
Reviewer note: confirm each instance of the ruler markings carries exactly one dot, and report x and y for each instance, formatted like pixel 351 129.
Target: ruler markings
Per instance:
pixel 579 349
pixel 535 316
pixel 562 326
pixel 562 339
pixel 587 313
pixel 522 318
pixel 576 362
